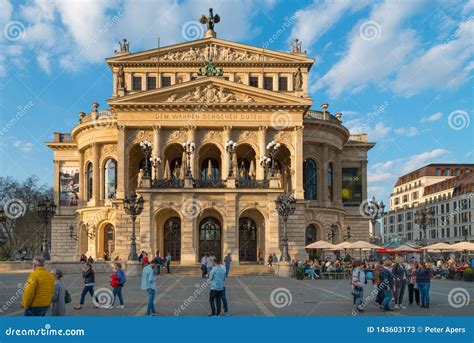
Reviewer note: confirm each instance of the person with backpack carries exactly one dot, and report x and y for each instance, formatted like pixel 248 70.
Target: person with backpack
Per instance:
pixel 400 283
pixel 89 279
pixel 358 282
pixel 118 281
pixel 59 299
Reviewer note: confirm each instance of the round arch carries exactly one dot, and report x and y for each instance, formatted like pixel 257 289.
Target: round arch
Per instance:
pixel 105 239
pixel 246 161
pixel 168 230
pixel 209 162
pixel 210 226
pixel 251 235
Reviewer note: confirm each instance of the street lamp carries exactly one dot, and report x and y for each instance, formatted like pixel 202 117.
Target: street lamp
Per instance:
pixel 155 162
pixel 133 206
pixel 230 147
pixel 332 234
pixel 147 148
pixel 46 209
pixel 424 218
pixel 273 148
pixel 189 148
pixel 286 207
pixel 264 161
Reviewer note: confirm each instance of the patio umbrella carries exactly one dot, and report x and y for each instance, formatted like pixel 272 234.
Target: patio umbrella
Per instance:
pixel 406 248
pixel 461 246
pixel 362 245
pixel 320 245
pixel 252 169
pixel 166 172
pixel 438 246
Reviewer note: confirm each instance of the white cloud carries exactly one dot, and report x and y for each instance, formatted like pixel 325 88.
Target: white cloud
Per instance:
pixel 371 59
pixel 443 66
pixel 318 18
pixel 26 147
pixel 43 61
pixel 417 161
pixel 432 118
pixel 357 126
pixel 409 131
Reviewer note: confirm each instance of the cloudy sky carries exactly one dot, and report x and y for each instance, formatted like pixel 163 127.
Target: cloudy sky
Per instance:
pixel 398 70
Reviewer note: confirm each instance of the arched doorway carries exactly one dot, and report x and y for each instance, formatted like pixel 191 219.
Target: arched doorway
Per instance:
pixel 174 162
pixel 109 239
pixel 172 238
pixel 210 237
pixel 136 162
pixel 247 240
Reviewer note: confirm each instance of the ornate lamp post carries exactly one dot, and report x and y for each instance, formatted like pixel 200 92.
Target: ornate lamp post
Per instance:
pixel 147 148
pixel 374 210
pixel 46 210
pixel 332 234
pixel 155 162
pixel 264 161
pixel 286 207
pixel 273 148
pixel 189 148
pixel 133 206
pixel 230 147
pixel 424 218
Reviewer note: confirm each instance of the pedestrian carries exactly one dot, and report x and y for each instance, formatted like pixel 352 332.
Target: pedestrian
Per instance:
pixel 227 261
pixel 157 263
pixel 58 300
pixel 209 263
pixel 377 281
pixel 118 281
pixel 269 260
pixel 204 266
pixel 386 285
pixel 216 277
pixel 413 291
pixel 83 258
pixel 168 262
pixel 358 282
pixel 224 297
pixel 90 260
pixel 88 275
pixel 274 259
pixel 39 289
pixel 149 285
pixel 106 255
pixel 423 280
pixel 399 282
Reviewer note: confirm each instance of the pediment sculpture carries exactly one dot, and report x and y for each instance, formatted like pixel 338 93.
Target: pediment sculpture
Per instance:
pixel 210 93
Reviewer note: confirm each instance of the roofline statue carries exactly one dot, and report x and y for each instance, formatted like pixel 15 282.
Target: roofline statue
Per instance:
pixel 210 20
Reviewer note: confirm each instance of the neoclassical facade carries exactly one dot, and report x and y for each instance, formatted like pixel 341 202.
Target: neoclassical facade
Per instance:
pixel 209 92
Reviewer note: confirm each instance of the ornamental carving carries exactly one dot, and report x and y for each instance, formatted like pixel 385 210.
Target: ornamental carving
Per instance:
pixel 214 52
pixel 210 94
pixel 283 136
pixel 247 136
pixel 210 135
pixel 87 154
pixel 176 135
pixel 109 149
pixel 139 135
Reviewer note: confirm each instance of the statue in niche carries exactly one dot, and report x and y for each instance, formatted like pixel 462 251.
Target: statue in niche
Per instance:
pixel 121 78
pixel 298 79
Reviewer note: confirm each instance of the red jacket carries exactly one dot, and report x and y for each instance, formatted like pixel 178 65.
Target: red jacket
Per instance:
pixel 115 281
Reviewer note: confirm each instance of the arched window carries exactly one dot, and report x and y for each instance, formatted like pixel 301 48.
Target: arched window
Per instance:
pixel 110 178
pixel 330 182
pixel 210 169
pixel 310 235
pixel 310 180
pixel 243 168
pixel 89 181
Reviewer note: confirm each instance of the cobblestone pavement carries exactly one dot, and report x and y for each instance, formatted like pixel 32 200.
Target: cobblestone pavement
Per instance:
pixel 247 296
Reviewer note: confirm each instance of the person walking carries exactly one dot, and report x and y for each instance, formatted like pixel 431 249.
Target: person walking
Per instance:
pixel 413 291
pixel 204 266
pixel 423 280
pixel 149 285
pixel 224 297
pixel 89 279
pixel 58 300
pixel 228 261
pixel 400 283
pixel 386 285
pixel 39 289
pixel 168 262
pixel 216 277
pixel 274 258
pixel 358 282
pixel 118 281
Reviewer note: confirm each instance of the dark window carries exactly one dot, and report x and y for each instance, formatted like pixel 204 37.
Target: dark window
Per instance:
pixel 165 81
pixel 90 181
pixel 282 83
pixel 210 170
pixel 172 238
pixel 137 83
pixel 151 82
pixel 253 81
pixel 268 83
pixel 110 178
pixel 247 240
pixel 210 237
pixel 310 180
pixel 330 182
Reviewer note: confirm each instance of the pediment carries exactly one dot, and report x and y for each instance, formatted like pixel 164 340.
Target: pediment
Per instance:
pixel 219 50
pixel 209 91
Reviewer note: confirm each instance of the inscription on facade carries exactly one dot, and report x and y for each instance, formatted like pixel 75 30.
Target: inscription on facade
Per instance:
pixel 208 116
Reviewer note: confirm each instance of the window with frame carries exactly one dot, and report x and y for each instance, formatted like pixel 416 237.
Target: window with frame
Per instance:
pixel 165 81
pixel 150 82
pixel 253 81
pixel 110 178
pixel 310 180
pixel 268 83
pixel 90 181
pixel 136 83
pixel 283 84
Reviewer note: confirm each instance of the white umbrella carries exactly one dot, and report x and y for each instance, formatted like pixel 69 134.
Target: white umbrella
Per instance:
pixel 362 245
pixel 320 245
pixel 461 246
pixel 342 246
pixel 209 168
pixel 438 246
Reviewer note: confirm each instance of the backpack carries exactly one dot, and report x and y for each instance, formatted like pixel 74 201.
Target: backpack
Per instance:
pixel 67 297
pixel 369 275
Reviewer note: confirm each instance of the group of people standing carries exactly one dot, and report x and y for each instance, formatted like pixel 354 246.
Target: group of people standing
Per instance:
pixel 391 280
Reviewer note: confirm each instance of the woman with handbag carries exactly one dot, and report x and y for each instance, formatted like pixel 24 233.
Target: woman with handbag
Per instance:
pixel 358 281
pixel 413 291
pixel 58 301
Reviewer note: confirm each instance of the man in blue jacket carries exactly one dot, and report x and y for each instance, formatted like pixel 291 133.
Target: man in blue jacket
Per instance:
pixel 216 277
pixel 386 286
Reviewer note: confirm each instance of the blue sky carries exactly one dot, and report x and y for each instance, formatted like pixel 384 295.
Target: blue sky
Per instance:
pixel 399 70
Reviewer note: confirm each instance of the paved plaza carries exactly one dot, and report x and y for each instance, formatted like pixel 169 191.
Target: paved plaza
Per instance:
pixel 247 295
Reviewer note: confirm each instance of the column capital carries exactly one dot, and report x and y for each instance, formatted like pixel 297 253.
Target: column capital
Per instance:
pixel 156 127
pixel 121 127
pixel 262 128
pixel 227 127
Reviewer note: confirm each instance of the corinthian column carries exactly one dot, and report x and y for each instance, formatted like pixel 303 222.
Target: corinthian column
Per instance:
pixel 298 162
pixel 157 147
pixel 122 162
pixel 227 133
pixel 262 142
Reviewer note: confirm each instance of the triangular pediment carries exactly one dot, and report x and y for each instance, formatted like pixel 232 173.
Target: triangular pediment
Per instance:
pixel 219 50
pixel 209 91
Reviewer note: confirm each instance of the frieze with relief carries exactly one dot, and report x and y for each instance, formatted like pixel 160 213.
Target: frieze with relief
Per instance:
pixel 283 136
pixel 211 135
pixel 210 93
pixel 139 135
pixel 214 52
pixel 246 136
pixel 109 149
pixel 175 135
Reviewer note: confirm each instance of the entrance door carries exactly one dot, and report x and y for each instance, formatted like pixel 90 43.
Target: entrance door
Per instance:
pixel 172 238
pixel 247 240
pixel 210 237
